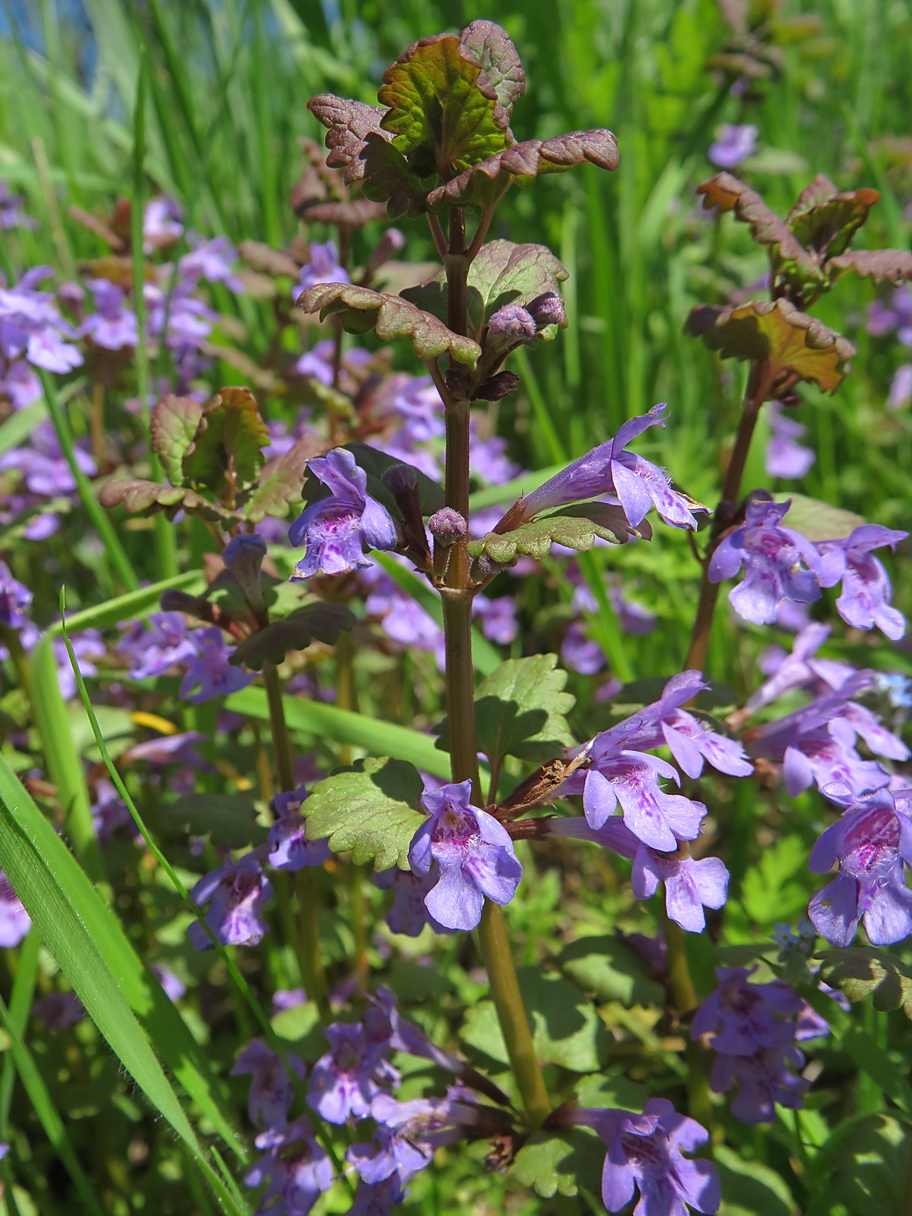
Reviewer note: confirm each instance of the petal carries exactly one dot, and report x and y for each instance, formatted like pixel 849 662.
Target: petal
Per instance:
pixel 455 902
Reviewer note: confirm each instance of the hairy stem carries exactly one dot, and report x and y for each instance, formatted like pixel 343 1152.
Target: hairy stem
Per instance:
pixel 307 944
pixel 758 387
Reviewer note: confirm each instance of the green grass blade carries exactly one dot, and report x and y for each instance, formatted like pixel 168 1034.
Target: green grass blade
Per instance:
pixel 126 607
pixel 48 1116
pixel 89 945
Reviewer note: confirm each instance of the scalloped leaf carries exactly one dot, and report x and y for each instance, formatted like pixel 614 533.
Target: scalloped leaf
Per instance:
pixel 502 273
pixel 522 163
pixel 892 266
pixel 321 621
pixel 173 426
pixel 387 178
pixel 281 480
pixel 369 809
pixel 444 113
pixel 265 260
pixel 775 331
pixel 491 47
pixel 825 220
pixel 226 453
pixel 348 124
pixel 866 971
pixel 576 527
pixel 139 496
pixel 728 193
pixel 520 710
pixel 390 317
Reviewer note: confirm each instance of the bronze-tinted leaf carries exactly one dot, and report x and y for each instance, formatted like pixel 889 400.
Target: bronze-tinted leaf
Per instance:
pixel 295 632
pixel 390 317
pixel 576 527
pixel 727 193
pixel 881 265
pixel 444 113
pixel 138 496
pixel 263 258
pixel 824 221
pixel 351 213
pixel 226 454
pixel 173 426
pixel 774 331
pixel 522 163
pixel 491 47
pixel 281 480
pixel 348 125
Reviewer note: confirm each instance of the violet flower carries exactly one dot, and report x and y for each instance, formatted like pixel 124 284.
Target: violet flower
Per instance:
pixel 800 669
pixel 865 598
pixel 742 1017
pixel 408 914
pixel 11 213
pixel 271 1088
pixel 635 483
pixel 345 1080
pixel 785 457
pixel 631 779
pixel 690 885
pixel 237 893
pixel 15 600
pixel 288 843
pixel 408 1134
pixel 297 1169
pixel 211 672
pixel 32 328
pixel 734 143
pixel 763 1079
pixel 773 557
pixel 113 326
pixel 646 1154
pixel 871 843
pixel 161 223
pixel 335 529
pixel 15 922
pixel 323 267
pixel 473 855
pixel 900 394
pixel 154 645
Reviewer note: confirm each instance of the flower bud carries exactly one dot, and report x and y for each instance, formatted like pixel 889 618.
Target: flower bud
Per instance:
pixel 447 526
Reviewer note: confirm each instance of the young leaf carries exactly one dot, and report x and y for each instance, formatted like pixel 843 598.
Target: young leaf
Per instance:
pixel 522 163
pixel 173 426
pixel 138 496
pixel 575 526
pixel 227 446
pixel 369 809
pixel 880 265
pixel 270 645
pixel 520 710
pixel 348 124
pixel 612 970
pixel 390 317
pixel 866 971
pixel 281 480
pixel 824 221
pixel 490 45
pixel 727 193
pixel 774 331
pixel 444 113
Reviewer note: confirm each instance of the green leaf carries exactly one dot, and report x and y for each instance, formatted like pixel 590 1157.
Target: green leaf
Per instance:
pixel 566 1029
pixel 172 427
pixel 778 886
pixel 522 163
pixel 867 971
pixel 824 221
pixel 576 527
pixel 226 453
pixel 519 710
pixel 296 631
pixel 88 943
pixel 795 345
pixel 390 317
pixel 490 45
pixel 444 113
pixel 126 607
pixel 612 970
pixel 548 1162
pixel 869 1162
pixel 281 480
pixel 750 1188
pixel 819 520
pixel 228 820
pixel 145 497
pixel 369 809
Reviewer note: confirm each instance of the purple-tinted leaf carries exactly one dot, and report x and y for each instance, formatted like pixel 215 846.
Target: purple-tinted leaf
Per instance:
pixel 350 213
pixel 226 453
pixel 138 496
pixel 266 260
pixel 727 193
pixel 443 111
pixel 881 265
pixel 824 221
pixel 390 317
pixel 173 426
pixel 797 346
pixel 819 520
pixel 348 125
pixel 369 809
pixel 281 480
pixel 576 527
pixel 491 47
pixel 522 163
pixel 320 621
pixel 387 178
pixel 863 971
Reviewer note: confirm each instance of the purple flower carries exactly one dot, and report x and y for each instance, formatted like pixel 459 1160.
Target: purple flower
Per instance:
pixel 785 457
pixel 690 885
pixel 646 1154
pixel 900 394
pixel 161 223
pixel 15 600
pixel 11 215
pixel 895 314
pixel 237 893
pixel 865 598
pixel 288 844
pixel 59 1010
pixel 497 618
pixel 407 1135
pixel 297 1169
pixel 349 1075
pixel 734 143
pixel 31 326
pixel 211 671
pixel 634 482
pixel 379 1198
pixel 871 843
pixel 631 778
pixel 15 922
pixel 409 914
pixel 271 1088
pixel 172 984
pixel 151 651
pixel 473 854
pixel 773 558
pixel 743 1017
pixel 335 529
pixel 763 1079
pixel 323 267
pixel 210 260
pixel 800 669
pixel 112 326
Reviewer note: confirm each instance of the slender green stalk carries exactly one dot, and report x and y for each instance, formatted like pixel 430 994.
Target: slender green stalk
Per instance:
pixel 685 1000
